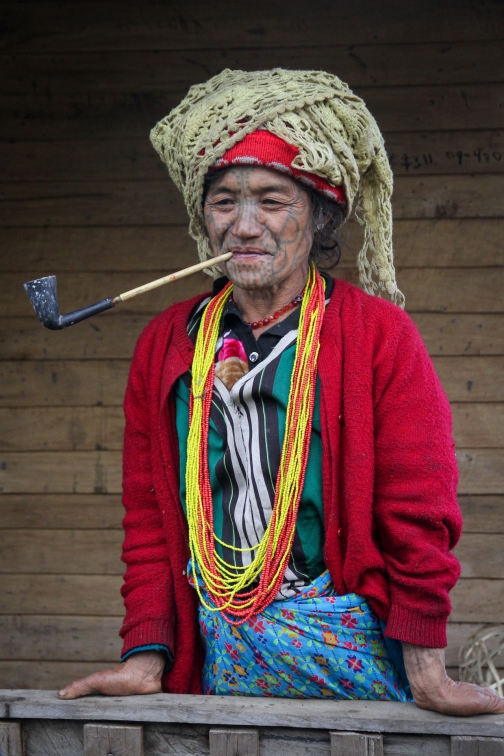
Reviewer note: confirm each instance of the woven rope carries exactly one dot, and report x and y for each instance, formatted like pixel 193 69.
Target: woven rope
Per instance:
pixel 336 135
pixel 478 658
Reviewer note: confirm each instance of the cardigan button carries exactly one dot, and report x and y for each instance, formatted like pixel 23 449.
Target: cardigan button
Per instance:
pixel 184 572
pixel 341 419
pixel 339 532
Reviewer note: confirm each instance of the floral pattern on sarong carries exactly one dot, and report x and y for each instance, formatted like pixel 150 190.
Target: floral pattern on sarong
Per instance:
pixel 313 645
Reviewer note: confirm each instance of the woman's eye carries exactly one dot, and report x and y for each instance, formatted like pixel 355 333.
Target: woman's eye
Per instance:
pixel 224 203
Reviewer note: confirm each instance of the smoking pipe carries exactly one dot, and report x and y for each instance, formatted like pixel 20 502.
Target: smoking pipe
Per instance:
pixel 43 294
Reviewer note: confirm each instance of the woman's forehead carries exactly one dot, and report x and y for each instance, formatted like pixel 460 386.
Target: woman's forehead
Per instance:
pixel 252 179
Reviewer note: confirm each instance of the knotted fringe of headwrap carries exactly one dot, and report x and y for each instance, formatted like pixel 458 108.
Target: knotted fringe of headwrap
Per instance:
pixel 336 135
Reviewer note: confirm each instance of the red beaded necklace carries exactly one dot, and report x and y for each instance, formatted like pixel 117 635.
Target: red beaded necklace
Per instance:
pixel 270 318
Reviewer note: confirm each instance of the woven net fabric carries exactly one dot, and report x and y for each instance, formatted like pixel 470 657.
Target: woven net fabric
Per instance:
pixel 335 133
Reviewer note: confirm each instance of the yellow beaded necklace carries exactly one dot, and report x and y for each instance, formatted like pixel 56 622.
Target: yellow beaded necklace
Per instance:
pixel 229 587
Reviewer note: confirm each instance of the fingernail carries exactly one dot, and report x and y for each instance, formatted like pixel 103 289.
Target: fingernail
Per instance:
pixel 62 693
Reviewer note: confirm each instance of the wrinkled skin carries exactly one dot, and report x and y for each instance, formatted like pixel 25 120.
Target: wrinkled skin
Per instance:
pixel 140 673
pixel 433 689
pixel 431 686
pixel 263 217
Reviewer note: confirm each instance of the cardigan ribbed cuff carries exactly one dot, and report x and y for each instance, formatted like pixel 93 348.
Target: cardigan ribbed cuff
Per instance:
pixel 416 628
pixel 150 632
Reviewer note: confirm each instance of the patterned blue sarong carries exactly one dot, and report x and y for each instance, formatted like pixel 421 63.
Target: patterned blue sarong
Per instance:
pixel 313 645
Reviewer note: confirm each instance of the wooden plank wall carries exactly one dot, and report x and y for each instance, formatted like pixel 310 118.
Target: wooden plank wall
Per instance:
pixel 83 195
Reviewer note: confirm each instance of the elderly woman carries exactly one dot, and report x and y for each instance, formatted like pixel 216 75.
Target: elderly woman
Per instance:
pixel 289 472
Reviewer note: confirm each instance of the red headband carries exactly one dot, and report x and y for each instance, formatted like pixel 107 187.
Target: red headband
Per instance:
pixel 263 148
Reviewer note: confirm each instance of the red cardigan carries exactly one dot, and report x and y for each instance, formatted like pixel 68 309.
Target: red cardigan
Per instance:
pixel 389 472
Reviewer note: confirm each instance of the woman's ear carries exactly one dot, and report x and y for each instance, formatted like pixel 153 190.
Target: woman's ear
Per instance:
pixel 326 217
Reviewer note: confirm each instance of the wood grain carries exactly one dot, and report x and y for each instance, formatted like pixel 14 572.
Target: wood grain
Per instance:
pixel 410 153
pixel 83 383
pixel 238 711
pixel 56 74
pixel 47 675
pixel 111 115
pixel 478 600
pixel 113 336
pixel 177 739
pixel 11 743
pixel 88 383
pixel 77 290
pixel 426 290
pixel 30 27
pixel 54 638
pixel 452 290
pixel 62 594
pixel 457 634
pixel 460 334
pixel 447 197
pixel 62 638
pixel 105 336
pixel 482 514
pixel 76 203
pixel 60 472
pixel 234 742
pixel 61 511
pixel 445 152
pixel 122 248
pixel 90 428
pixel 470 379
pixel 61 428
pixel 481 471
pixel 85 196
pixel 478 425
pixel 63 737
pixel 113 203
pixel 474 601
pixel 41 736
pixel 411 745
pixel 428 108
pixel 356 744
pixel 481 555
pixel 466 746
pixel 97 552
pixel 446 242
pixel 121 740
pixel 66 552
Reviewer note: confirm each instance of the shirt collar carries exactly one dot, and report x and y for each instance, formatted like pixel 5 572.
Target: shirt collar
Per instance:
pixel 231 313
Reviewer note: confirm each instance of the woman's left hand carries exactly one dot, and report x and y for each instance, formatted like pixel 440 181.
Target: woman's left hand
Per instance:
pixel 433 689
pixel 140 674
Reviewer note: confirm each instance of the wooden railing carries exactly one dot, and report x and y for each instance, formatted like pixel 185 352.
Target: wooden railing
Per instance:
pixel 36 723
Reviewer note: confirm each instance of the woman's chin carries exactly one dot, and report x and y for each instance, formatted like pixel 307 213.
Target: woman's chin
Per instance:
pixel 253 272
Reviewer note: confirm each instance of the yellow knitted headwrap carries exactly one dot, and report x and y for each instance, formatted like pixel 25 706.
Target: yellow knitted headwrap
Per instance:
pixel 335 133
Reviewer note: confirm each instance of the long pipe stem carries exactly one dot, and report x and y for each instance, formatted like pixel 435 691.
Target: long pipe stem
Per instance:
pixel 172 277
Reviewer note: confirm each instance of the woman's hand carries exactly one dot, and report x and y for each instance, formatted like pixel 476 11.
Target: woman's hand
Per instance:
pixel 140 673
pixel 433 689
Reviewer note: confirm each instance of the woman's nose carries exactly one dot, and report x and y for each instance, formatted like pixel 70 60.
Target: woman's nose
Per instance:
pixel 247 225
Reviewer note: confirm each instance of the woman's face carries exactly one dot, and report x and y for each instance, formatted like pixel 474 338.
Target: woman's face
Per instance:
pixel 263 217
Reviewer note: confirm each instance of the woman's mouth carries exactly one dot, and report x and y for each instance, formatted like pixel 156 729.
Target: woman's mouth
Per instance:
pixel 247 253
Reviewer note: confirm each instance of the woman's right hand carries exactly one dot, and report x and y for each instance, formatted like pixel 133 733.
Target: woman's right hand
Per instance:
pixel 140 674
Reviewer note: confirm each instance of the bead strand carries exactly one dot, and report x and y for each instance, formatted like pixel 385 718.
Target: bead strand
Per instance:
pixel 229 586
pixel 270 318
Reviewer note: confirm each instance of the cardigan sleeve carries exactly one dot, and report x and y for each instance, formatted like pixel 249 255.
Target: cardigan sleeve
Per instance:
pixel 416 513
pixel 147 588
